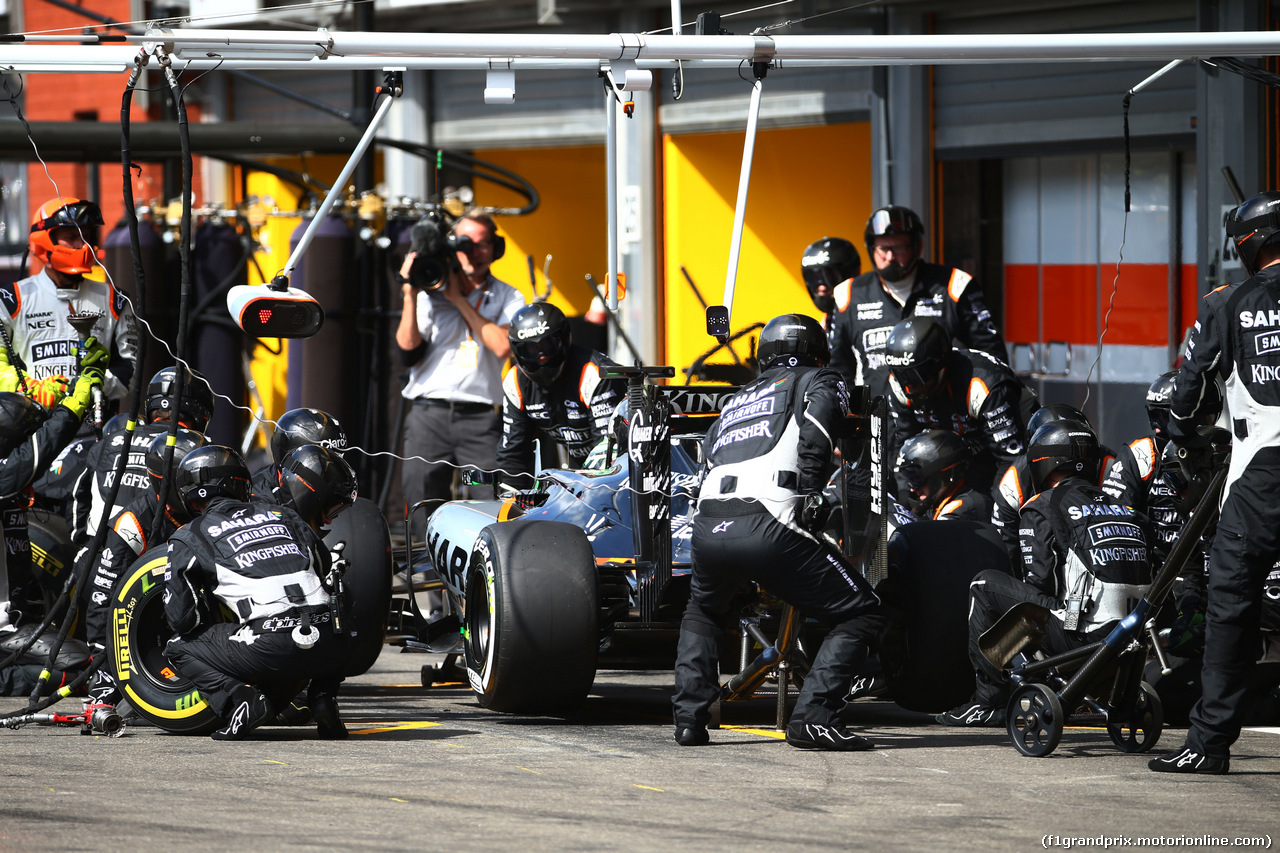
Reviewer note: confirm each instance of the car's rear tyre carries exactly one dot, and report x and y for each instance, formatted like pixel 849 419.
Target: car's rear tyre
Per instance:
pixel 367 581
pixel 931 564
pixel 139 633
pixel 531 637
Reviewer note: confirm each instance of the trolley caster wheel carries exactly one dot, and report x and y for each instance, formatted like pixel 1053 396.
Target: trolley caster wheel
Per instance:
pixel 1035 720
pixel 1141 729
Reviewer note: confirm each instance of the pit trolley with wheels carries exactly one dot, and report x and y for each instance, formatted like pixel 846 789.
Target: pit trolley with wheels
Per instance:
pixel 1105 676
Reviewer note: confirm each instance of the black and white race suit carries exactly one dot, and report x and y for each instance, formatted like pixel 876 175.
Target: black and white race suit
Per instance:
pixel 574 412
pixel 1236 337
pixel 1014 488
pixel 979 399
pixel 89 504
pixel 264 564
pixel 18 470
pixel 1085 557
pixel 771 445
pixel 865 313
pixel 125 541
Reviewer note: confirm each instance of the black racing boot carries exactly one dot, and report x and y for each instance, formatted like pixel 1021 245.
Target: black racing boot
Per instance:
pixel 324 710
pixel 834 737
pixel 973 714
pixel 1187 760
pixel 249 709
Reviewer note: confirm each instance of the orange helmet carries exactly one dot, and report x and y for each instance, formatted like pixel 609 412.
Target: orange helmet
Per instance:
pixel 65 212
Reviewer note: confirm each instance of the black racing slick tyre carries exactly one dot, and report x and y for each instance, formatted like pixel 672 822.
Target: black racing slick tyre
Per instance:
pixel 139 633
pixel 931 564
pixel 530 627
pixel 366 599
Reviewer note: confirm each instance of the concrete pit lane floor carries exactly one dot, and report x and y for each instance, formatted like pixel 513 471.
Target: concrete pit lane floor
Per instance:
pixel 428 769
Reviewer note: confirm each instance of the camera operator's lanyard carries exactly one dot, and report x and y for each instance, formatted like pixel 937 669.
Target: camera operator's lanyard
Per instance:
pixel 469 350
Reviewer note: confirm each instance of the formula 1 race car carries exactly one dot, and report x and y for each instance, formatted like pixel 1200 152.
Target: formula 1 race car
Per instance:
pixel 592 568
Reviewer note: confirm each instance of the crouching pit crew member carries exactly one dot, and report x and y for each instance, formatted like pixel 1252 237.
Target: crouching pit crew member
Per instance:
pixel 932 471
pixel 557 391
pixel 267 565
pixel 768 457
pixel 1085 559
pixel 1235 337
pixel 125 541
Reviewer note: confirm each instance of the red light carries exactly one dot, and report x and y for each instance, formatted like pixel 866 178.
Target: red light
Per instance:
pixel 264 314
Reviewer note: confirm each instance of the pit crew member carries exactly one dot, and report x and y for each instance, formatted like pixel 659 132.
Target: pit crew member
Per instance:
pixel 768 457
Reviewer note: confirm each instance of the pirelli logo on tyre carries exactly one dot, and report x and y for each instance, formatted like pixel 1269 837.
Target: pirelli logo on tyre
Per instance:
pixel 121 635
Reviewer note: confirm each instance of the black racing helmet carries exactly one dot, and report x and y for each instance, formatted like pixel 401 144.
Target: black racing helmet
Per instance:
pixel 185 441
pixel 1056 413
pixel 1160 396
pixel 889 221
pixel 298 427
pixel 209 472
pixel 1253 224
pixel 931 467
pixel 916 354
pixel 115 423
pixel 19 417
pixel 320 484
pixel 196 406
pixel 828 261
pixel 539 336
pixel 792 340
pixel 1071 449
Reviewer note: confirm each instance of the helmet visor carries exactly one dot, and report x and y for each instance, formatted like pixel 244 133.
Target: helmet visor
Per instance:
pixel 918 381
pixel 81 214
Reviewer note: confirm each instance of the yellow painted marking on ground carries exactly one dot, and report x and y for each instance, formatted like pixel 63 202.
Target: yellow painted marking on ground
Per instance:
pixel 397 800
pixel 269 761
pixel 527 770
pixel 763 732
pixel 647 788
pixel 394 727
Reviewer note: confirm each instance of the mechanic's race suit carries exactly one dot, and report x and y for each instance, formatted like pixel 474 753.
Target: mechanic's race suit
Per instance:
pixel 36 310
pixel 771 446
pixel 979 399
pixel 89 495
pixel 1015 488
pixel 126 540
pixel 865 313
pixel 573 412
pixel 17 471
pixel 965 505
pixel 1085 557
pixel 263 563
pixel 1237 335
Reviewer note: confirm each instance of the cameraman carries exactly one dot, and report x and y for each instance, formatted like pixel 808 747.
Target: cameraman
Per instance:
pixel 453 339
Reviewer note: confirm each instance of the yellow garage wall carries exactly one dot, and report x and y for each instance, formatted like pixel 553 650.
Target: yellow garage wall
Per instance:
pixel 569 224
pixel 806 183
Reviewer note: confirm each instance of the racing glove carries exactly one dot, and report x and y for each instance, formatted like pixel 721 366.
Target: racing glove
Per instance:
pixel 814 512
pixel 81 396
pixel 1186 634
pixel 93 354
pixel 46 392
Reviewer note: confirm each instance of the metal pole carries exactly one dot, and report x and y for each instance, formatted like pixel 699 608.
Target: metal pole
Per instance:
pixel 339 185
pixel 676 27
pixel 611 189
pixel 744 184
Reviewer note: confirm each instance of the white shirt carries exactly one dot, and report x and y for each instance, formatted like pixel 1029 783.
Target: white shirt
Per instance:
pixel 43 338
pixel 457 366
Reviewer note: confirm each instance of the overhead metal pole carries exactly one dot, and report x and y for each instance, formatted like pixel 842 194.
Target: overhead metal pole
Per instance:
pixel 274 46
pixel 611 191
pixel 744 185
pixel 339 186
